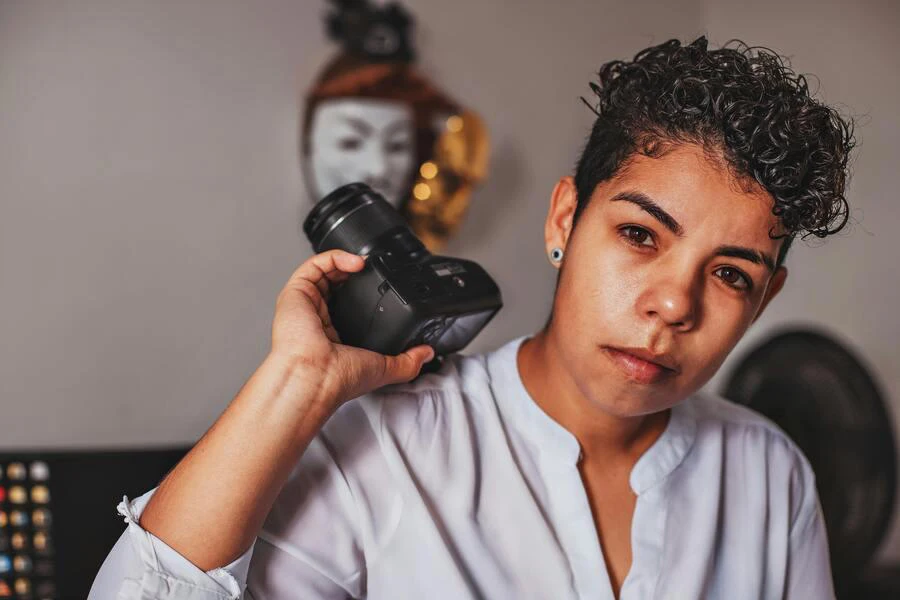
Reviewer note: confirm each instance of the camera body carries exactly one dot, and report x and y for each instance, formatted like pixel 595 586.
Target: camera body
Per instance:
pixel 404 296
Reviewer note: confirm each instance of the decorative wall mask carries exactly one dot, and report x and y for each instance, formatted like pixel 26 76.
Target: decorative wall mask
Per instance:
pixel 371 116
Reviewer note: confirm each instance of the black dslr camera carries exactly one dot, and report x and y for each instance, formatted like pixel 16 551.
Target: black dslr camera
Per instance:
pixel 405 296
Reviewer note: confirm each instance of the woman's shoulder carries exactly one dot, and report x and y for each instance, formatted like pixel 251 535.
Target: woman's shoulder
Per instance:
pixel 744 434
pixel 712 408
pixel 461 384
pixel 715 413
pixel 432 400
pixel 752 454
pixel 341 477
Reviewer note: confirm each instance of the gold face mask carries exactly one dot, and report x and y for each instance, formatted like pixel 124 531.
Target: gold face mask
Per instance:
pixel 443 186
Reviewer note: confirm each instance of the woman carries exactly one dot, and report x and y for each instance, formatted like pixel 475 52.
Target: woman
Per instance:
pixel 577 462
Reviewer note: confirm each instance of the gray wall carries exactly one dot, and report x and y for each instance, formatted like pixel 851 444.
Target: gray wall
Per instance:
pixel 150 191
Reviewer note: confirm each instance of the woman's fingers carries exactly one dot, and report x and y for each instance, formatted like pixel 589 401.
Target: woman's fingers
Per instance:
pixel 318 275
pixel 365 370
pixel 332 266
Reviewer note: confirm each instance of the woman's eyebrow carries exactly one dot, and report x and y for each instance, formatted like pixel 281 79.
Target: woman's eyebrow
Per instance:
pixel 754 256
pixel 652 208
pixel 647 204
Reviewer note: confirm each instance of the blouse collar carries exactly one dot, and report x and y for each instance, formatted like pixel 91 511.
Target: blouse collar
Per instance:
pixel 557 444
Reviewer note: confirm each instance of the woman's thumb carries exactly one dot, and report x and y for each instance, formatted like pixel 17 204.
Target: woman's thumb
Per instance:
pixel 407 365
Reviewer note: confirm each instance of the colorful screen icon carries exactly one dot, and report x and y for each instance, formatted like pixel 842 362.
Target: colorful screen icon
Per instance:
pixel 17 495
pixel 39 470
pixel 3 519
pixel 19 541
pixel 5 564
pixel 41 541
pixel 22 586
pixel 22 564
pixel 18 518
pixel 16 471
pixel 41 517
pixel 40 494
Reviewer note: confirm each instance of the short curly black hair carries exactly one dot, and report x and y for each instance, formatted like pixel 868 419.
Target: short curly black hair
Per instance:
pixel 744 104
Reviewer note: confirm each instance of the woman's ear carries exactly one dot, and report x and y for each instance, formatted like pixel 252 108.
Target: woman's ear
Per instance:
pixel 558 226
pixel 776 283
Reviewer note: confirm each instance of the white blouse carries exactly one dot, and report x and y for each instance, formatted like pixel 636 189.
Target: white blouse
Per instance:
pixel 458 485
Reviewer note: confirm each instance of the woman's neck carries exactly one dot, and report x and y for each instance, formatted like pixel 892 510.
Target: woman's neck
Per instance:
pixel 601 435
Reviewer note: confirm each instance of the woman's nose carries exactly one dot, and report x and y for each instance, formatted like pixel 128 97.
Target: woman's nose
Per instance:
pixel 673 299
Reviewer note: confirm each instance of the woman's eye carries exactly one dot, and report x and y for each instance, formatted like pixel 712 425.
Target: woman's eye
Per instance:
pixel 349 144
pixel 735 278
pixel 636 236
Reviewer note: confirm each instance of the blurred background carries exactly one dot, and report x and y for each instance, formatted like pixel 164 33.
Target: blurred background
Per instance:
pixel 151 192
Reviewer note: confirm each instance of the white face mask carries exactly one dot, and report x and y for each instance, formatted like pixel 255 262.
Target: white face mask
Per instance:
pixel 357 139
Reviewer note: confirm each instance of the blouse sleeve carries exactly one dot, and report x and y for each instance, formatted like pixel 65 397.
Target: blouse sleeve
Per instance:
pixel 337 503
pixel 141 566
pixel 310 546
pixel 337 512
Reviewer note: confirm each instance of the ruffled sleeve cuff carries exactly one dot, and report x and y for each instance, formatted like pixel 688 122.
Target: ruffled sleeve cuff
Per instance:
pixel 167 574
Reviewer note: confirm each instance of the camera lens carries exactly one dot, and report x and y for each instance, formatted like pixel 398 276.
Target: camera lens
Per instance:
pixel 357 219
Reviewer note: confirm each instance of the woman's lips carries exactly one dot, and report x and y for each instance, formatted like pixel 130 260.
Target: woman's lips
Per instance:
pixel 637 369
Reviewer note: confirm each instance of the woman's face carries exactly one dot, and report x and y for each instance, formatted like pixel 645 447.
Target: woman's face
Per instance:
pixel 675 277
pixel 358 139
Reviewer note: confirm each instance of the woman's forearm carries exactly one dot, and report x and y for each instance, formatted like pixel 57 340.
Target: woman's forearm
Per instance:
pixel 210 507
